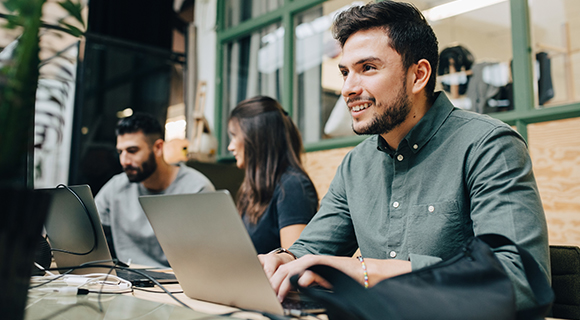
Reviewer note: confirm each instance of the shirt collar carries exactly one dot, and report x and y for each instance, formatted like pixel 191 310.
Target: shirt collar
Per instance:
pixel 425 129
pixel 383 146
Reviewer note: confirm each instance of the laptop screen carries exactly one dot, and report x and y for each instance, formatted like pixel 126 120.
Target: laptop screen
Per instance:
pixel 74 229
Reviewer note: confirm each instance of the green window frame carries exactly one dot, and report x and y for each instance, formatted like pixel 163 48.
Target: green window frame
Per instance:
pixel 524 111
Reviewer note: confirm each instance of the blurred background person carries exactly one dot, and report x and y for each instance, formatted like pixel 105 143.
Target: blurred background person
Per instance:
pixel 277 198
pixel 140 147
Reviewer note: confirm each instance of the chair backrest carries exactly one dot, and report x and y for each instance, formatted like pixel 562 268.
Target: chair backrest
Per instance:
pixel 565 265
pixel 222 175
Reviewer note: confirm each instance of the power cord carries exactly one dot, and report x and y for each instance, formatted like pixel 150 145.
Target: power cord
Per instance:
pixel 154 291
pixel 97 264
pixel 94 228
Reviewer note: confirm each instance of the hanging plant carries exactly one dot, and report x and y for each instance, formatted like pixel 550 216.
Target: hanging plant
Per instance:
pixel 19 77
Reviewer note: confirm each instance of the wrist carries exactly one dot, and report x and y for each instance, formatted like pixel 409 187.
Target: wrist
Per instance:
pixel 286 252
pixel 364 270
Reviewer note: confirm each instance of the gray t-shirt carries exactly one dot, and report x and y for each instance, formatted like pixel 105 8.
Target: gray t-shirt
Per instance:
pixel 119 208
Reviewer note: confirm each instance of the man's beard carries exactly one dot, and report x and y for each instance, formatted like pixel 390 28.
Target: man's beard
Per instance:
pixel 393 115
pixel 143 172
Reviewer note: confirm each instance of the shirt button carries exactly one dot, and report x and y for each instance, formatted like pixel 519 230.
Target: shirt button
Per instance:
pixel 400 157
pixel 415 146
pixel 392 254
pixel 431 208
pixel 395 204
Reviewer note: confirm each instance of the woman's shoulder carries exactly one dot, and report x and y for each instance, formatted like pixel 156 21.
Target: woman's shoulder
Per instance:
pixel 297 189
pixel 294 176
pixel 294 183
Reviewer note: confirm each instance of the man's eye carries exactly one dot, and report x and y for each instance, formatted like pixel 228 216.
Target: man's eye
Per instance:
pixel 367 67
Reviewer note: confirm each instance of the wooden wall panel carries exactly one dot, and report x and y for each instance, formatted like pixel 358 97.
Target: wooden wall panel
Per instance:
pixel 321 167
pixel 555 151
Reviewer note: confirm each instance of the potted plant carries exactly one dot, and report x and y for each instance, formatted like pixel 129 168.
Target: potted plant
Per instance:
pixel 23 210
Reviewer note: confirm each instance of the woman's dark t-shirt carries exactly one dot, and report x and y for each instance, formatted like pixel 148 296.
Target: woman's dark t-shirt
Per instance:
pixel 294 202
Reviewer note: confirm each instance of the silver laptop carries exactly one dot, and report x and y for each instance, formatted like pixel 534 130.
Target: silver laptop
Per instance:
pixel 210 250
pixel 69 229
pixel 76 240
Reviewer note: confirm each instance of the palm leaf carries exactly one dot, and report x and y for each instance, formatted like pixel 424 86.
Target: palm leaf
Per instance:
pixel 74 9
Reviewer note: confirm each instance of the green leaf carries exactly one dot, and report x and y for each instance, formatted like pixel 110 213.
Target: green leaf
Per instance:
pixel 72 29
pixel 12 5
pixel 74 9
pixel 13 21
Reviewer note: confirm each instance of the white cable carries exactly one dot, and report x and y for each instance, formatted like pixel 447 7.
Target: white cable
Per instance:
pixel 98 281
pixel 42 268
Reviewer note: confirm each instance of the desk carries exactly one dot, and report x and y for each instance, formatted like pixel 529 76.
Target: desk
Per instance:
pixel 112 307
pixel 139 304
pixel 198 305
pixel 136 305
pixel 124 306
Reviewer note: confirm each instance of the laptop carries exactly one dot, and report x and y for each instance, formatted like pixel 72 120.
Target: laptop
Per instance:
pixel 71 228
pixel 210 251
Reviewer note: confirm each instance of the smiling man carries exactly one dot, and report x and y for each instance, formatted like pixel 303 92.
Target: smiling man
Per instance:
pixel 140 147
pixel 430 177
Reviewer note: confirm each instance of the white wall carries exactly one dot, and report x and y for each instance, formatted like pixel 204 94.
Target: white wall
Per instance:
pixel 205 23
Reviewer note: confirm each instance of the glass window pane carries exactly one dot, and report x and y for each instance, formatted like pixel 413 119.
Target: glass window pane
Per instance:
pixel 476 40
pixel 475 52
pixel 238 11
pixel 253 66
pixel 319 109
pixel 556 39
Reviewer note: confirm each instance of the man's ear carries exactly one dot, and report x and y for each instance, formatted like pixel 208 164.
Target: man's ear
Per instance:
pixel 421 74
pixel 158 147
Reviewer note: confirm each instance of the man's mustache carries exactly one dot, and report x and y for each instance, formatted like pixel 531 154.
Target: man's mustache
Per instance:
pixel 355 99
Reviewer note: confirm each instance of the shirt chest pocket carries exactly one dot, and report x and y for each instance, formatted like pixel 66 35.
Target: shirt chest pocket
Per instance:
pixel 435 228
pixel 446 210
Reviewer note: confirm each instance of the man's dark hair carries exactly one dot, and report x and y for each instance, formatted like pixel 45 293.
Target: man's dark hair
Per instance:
pixel 409 33
pixel 140 122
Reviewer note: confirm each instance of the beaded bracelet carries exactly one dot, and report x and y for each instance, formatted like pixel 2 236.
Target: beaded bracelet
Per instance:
pixel 365 273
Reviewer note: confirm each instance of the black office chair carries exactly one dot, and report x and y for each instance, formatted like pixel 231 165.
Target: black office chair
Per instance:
pixel 565 261
pixel 222 175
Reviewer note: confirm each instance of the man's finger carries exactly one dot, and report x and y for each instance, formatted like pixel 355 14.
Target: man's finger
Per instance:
pixel 308 278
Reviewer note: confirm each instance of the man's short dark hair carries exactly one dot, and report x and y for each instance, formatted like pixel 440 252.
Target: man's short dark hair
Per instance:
pixel 409 33
pixel 140 122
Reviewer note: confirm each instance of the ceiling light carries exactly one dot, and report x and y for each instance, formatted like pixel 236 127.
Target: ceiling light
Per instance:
pixel 457 7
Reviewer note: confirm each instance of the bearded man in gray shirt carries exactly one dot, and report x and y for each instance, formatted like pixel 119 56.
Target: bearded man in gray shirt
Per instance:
pixel 140 147
pixel 429 178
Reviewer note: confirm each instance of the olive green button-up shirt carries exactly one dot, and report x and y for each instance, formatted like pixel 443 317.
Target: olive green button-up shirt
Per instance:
pixel 455 175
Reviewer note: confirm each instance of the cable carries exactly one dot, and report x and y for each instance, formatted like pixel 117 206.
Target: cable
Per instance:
pixel 105 277
pixel 103 284
pixel 94 264
pixel 42 269
pixel 95 238
pixel 69 270
pixel 51 280
pixel 153 291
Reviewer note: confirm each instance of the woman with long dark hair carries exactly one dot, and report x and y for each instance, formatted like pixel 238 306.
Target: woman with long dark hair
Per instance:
pixel 277 198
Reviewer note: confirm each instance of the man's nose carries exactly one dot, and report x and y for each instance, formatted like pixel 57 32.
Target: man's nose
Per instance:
pixel 124 159
pixel 351 87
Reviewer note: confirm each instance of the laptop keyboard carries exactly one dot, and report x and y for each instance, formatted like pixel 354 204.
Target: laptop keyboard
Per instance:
pixel 308 306
pixel 141 281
